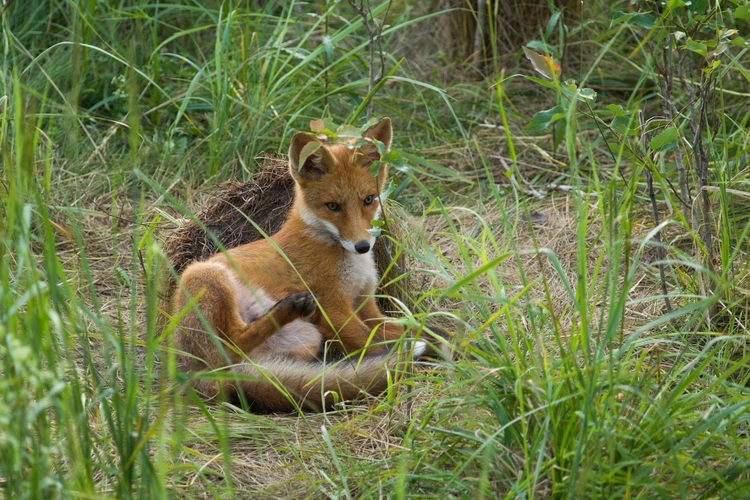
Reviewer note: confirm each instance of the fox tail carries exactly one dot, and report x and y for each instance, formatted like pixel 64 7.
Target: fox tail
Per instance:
pixel 278 384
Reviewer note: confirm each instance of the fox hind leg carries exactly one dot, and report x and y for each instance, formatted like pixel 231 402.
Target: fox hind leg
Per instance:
pixel 249 336
pixel 221 300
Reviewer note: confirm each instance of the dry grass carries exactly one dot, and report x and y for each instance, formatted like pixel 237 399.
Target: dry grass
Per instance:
pixel 282 455
pixel 548 223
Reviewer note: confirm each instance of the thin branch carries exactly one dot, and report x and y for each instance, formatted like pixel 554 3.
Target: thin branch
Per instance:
pixel 374 32
pixel 700 154
pixel 669 113
pixel 530 190
pixel 655 214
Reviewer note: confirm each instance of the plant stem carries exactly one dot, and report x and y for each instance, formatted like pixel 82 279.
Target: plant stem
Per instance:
pixel 479 33
pixel 669 114
pixel 374 32
pixel 655 214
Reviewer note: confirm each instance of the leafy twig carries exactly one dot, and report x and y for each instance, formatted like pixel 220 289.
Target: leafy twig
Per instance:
pixel 374 32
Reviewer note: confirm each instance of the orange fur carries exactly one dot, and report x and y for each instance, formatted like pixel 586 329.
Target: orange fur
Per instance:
pixel 267 325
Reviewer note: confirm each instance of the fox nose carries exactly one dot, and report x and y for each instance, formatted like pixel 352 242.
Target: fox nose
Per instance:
pixel 362 247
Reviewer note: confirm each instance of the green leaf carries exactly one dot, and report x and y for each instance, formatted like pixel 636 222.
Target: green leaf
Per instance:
pixel 402 166
pixel 742 12
pixel 542 119
pixel 559 136
pixel 309 148
pixel 542 82
pixel 328 46
pixel 587 94
pixel 623 125
pixel 544 47
pixel 673 4
pixel 325 126
pixel 395 159
pixel 620 17
pixel 720 49
pixel 710 69
pixel 123 277
pixel 330 126
pixel 147 236
pixel 664 140
pixel 379 145
pixel 348 132
pixel 617 110
pixel 697 47
pixel 375 167
pixel 391 157
pixel 553 19
pixel 645 21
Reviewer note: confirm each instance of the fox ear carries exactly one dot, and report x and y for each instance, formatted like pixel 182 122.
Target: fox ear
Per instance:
pixel 381 131
pixel 312 154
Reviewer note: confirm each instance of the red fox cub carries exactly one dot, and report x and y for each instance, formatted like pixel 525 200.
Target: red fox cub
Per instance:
pixel 268 328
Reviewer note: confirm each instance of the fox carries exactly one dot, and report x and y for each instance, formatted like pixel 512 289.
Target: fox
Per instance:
pixel 263 310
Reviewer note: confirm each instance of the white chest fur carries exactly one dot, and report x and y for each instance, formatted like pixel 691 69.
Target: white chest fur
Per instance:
pixel 358 274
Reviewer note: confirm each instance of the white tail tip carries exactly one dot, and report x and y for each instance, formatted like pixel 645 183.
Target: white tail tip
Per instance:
pixel 419 348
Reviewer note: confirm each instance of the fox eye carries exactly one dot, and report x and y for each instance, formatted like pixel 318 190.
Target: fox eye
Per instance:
pixel 333 207
pixel 369 200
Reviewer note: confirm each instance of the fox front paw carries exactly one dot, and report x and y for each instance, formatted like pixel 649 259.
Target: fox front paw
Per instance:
pixel 300 305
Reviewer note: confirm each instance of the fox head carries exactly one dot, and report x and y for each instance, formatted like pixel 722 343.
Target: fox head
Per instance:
pixel 337 195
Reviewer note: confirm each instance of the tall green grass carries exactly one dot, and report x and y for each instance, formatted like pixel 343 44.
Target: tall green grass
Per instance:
pixel 572 380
